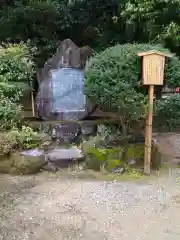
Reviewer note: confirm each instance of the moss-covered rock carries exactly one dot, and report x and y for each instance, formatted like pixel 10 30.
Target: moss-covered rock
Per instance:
pixel 93 163
pixel 25 164
pixel 17 163
pixel 6 163
pixel 112 158
pixel 136 152
pixel 98 157
pixel 112 163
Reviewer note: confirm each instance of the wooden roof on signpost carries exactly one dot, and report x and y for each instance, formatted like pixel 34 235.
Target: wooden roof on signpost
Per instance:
pixel 142 54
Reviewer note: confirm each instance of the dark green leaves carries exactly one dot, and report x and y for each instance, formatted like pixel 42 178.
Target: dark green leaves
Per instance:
pixel 16 70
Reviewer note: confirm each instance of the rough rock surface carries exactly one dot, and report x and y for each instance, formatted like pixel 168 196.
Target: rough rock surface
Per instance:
pixel 69 58
pixel 50 167
pixel 61 88
pixel 26 162
pixel 64 157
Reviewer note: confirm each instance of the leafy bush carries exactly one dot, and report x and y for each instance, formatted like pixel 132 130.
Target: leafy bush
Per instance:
pixel 167 113
pixel 16 70
pixel 16 73
pixel 27 138
pixel 11 143
pixel 107 71
pixel 15 139
pixel 113 81
pixel 10 113
pixel 102 158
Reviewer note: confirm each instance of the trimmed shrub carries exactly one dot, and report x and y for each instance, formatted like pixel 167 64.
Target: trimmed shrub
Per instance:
pixel 112 80
pixel 107 71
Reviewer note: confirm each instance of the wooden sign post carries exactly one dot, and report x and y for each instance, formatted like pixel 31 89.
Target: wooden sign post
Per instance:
pixel 32 103
pixel 153 63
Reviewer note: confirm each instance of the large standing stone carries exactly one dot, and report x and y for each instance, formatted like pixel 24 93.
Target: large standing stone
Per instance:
pixel 61 86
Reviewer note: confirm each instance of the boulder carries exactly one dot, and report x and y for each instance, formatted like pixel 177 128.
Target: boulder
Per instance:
pixel 118 170
pixel 6 164
pixel 50 167
pixel 64 157
pixel 60 93
pixel 27 162
pixel 61 84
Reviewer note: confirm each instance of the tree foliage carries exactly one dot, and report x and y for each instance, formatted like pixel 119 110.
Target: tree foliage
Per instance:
pixel 46 23
pixel 16 70
pixel 149 21
pixel 10 113
pixel 113 81
pixel 121 65
pixel 98 23
pixel 16 73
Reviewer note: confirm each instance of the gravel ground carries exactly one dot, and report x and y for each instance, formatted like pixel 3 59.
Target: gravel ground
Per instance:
pixel 54 208
pixel 169 144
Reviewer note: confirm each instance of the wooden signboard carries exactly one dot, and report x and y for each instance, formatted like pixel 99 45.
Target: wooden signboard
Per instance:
pixel 153 67
pixel 153 74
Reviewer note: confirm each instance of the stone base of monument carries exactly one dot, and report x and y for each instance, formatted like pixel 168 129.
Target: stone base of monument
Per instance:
pixel 66 133
pixel 88 128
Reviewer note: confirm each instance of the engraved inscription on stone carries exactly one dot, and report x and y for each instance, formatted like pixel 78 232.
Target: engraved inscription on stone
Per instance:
pixel 67 132
pixel 68 90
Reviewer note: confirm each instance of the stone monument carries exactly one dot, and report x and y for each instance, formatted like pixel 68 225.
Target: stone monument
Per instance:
pixel 61 88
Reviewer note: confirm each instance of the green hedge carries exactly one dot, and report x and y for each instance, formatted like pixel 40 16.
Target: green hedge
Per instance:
pixel 106 71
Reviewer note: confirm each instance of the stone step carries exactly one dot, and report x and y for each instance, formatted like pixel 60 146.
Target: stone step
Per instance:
pixel 62 157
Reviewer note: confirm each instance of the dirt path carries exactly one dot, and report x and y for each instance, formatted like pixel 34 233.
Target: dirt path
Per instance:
pixel 55 208
pixel 51 207
pixel 169 144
